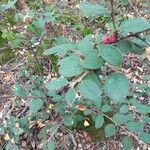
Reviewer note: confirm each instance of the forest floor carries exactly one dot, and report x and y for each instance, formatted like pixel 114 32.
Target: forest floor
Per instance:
pixel 134 67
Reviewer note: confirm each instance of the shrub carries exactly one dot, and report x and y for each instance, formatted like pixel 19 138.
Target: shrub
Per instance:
pixel 82 87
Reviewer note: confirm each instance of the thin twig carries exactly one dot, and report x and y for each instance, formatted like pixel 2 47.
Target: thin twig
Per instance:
pixel 128 132
pixel 73 83
pixel 55 131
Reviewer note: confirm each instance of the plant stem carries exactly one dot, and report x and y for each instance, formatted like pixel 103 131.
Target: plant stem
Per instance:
pixel 128 132
pixel 73 83
pixel 113 14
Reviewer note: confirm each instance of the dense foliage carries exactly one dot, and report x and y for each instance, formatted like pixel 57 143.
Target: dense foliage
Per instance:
pixel 82 87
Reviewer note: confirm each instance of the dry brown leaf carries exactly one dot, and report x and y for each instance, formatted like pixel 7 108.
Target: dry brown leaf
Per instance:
pixel 81 107
pixel 24 144
pixel 27 19
pixel 6 137
pixel 148 53
pixel 86 123
pixel 40 124
pixel 47 1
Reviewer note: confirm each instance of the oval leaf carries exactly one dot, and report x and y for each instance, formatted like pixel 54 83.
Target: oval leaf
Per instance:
pixel 116 87
pixel 57 84
pixel 111 54
pixel 145 137
pixel 36 105
pixel 70 66
pixel 90 90
pixel 127 143
pixel 134 25
pixel 70 96
pixel 93 10
pixel 110 130
pixel 99 121
pixel 135 126
pixel 120 118
pixel 92 61
pixel 61 50
pixel 68 120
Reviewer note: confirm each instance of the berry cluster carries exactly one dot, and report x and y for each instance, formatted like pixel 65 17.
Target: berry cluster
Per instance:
pixel 109 39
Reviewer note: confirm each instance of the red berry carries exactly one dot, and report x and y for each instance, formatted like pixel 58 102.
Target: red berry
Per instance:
pixel 47 26
pixel 113 38
pixel 105 40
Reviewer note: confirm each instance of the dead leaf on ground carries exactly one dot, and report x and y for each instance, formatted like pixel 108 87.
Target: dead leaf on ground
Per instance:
pixel 148 53
pixel 47 1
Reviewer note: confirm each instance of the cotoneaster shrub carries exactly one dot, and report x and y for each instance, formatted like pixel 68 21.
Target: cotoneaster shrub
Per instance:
pixel 82 87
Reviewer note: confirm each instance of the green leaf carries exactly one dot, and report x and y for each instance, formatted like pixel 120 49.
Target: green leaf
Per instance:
pixel 137 49
pixel 16 42
pixel 70 96
pixel 145 137
pixel 110 130
pixel 146 119
pixel 140 42
pixel 98 38
pixel 57 84
pixel 111 54
pixel 70 66
pixel 135 126
pixel 90 90
pixel 54 129
pixel 127 143
pixel 116 87
pixel 124 46
pixel 124 109
pixel 17 131
pixel 93 78
pixel 106 108
pixel 134 26
pixel 50 145
pixel 61 50
pixel 37 93
pixel 61 40
pixel 92 61
pixel 2 130
pixel 93 10
pixel 146 77
pixel 68 120
pixel 11 146
pixel 36 105
pixel 9 5
pixel 98 102
pixel 85 46
pixel 19 91
pixel 87 112
pixel 120 118
pixel 79 118
pixel 130 117
pixel 99 121
pixel 143 109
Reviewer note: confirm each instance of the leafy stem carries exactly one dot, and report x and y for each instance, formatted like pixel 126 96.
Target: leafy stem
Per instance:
pixel 113 14
pixel 128 132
